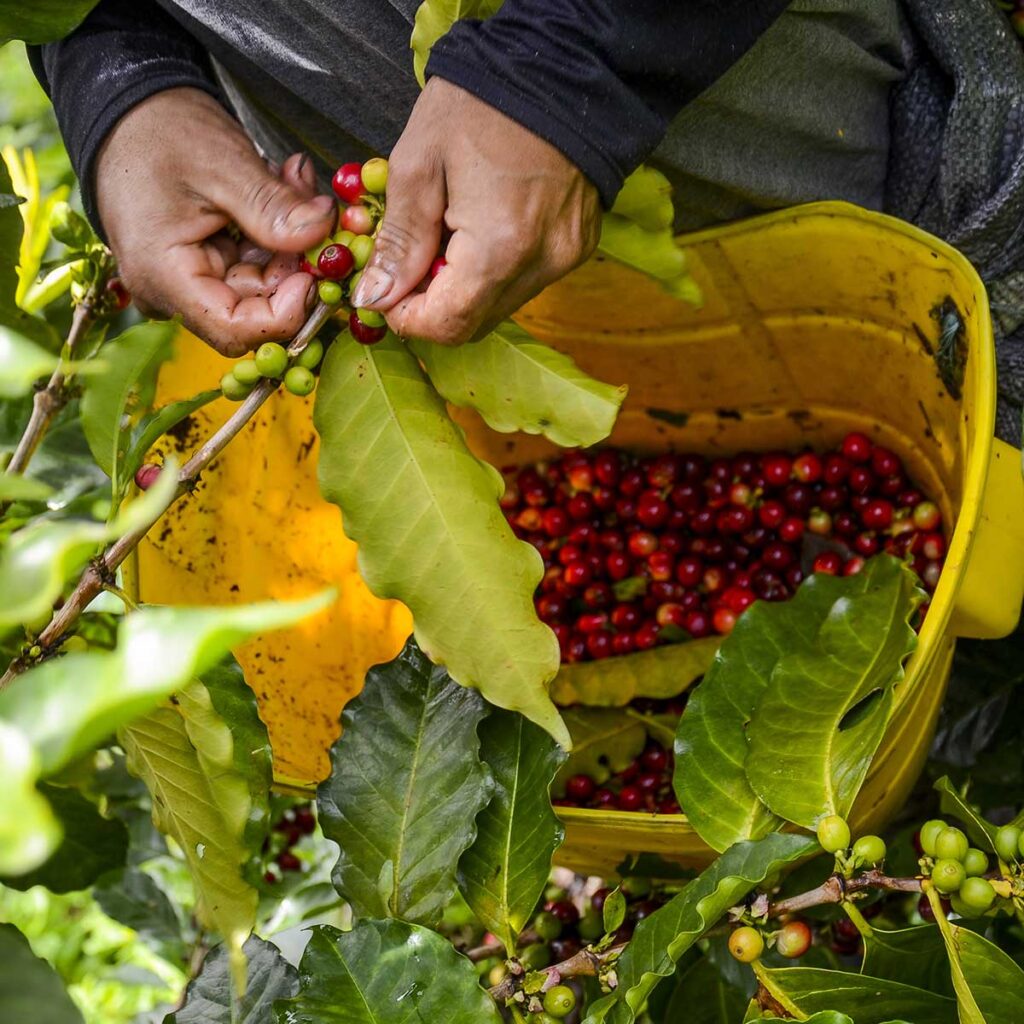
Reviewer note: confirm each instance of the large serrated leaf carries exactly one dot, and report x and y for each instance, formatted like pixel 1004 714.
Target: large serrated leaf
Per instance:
pixel 91 845
pixel 661 939
pixel 209 998
pixel 30 989
pixel 989 985
pixel 29 830
pixel 385 972
pixel 424 512
pixel 604 740
pixel 114 399
pixel 658 673
pixel 805 991
pixel 68 706
pixel 503 873
pixel 517 383
pixel 434 18
pixel 405 788
pixel 827 704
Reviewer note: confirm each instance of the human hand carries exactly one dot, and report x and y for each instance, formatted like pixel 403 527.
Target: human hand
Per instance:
pixel 520 214
pixel 172 175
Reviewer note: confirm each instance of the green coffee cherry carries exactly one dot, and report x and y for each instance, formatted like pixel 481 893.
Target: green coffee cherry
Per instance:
pixel 362 249
pixel 948 875
pixel 746 944
pixel 371 317
pixel 311 355
pixel 246 371
pixel 233 389
pixel 547 926
pixel 329 292
pixel 833 833
pixel 271 359
pixel 951 844
pixel 1006 842
pixel 497 975
pixel 929 833
pixel 975 862
pixel 343 237
pixel 299 381
pixel 591 927
pixel 313 254
pixel 535 957
pixel 375 175
pixel 977 894
pixel 869 849
pixel 559 1001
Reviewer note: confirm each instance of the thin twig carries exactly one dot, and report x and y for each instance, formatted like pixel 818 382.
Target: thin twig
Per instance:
pixel 485 952
pixel 585 963
pixel 102 569
pixel 835 889
pixel 51 399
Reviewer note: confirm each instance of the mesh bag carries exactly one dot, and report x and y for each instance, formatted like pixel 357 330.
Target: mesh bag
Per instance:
pixel 957 161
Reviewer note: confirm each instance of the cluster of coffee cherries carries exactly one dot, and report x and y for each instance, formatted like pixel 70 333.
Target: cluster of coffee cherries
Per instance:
pixel 271 361
pixel 958 870
pixel 642 551
pixel 338 262
pixel 288 830
pixel 645 784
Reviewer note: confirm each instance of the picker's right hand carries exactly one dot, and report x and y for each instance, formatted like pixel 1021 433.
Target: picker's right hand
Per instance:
pixel 172 176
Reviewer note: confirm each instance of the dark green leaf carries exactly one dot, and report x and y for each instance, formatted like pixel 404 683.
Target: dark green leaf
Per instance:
pixel 405 788
pixel 810 990
pixel 913 956
pixel 30 989
pixel 658 673
pixel 503 873
pixel 613 913
pixel 856 656
pixel 209 998
pixel 134 898
pixel 703 996
pixel 385 972
pixel 41 21
pixel 661 939
pixel 115 399
pixel 92 845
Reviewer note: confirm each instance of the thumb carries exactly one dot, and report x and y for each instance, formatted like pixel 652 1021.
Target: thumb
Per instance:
pixel 407 242
pixel 272 212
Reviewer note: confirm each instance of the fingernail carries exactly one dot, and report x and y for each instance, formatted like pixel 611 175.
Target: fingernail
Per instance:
pixel 321 207
pixel 303 160
pixel 373 286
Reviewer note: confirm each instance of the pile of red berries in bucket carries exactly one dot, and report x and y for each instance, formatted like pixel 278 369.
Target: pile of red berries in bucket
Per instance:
pixel 640 551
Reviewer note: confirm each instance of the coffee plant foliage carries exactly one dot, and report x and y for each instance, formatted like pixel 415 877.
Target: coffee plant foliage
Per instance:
pixel 138 773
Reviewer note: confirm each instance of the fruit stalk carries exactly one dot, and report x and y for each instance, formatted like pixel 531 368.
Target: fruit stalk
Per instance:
pixel 835 889
pixel 101 569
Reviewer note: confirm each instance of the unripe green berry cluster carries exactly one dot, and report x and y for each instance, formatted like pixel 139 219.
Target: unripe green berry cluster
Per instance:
pixel 957 867
pixel 271 361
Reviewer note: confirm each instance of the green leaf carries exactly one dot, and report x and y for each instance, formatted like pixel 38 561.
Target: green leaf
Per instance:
pixel 385 972
pixel 67 706
pixel 41 21
pixel 209 998
pixel 22 363
pixel 824 1017
pixel 425 514
pixel 913 956
pixel 92 845
pixel 115 399
pixel 517 383
pixel 646 199
pixel 655 253
pixel 405 788
pixel 434 18
pixel 703 996
pixel 805 991
pixel 39 559
pixel 989 986
pixel 613 913
pixel 814 734
pixel 981 832
pixel 661 939
pixel 22 488
pixel 134 898
pixel 604 741
pixel 30 989
pixel 29 831
pixel 658 673
pixel 154 425
pixel 503 873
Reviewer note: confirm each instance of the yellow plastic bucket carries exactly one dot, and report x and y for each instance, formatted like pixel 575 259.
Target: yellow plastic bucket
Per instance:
pixel 817 320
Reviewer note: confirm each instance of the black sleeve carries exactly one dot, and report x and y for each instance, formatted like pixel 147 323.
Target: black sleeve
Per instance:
pixel 124 52
pixel 600 79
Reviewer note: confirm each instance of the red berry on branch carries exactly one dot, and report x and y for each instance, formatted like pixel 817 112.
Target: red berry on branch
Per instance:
pixel 335 262
pixel 147 475
pixel 118 294
pixel 348 183
pixel 357 219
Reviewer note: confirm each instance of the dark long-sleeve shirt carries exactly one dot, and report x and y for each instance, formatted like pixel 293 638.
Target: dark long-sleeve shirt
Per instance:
pixel 599 79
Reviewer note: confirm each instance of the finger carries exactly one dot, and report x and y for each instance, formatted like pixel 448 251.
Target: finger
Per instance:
pixel 233 324
pixel 222 251
pixel 271 212
pixel 299 172
pixel 251 279
pixel 408 239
